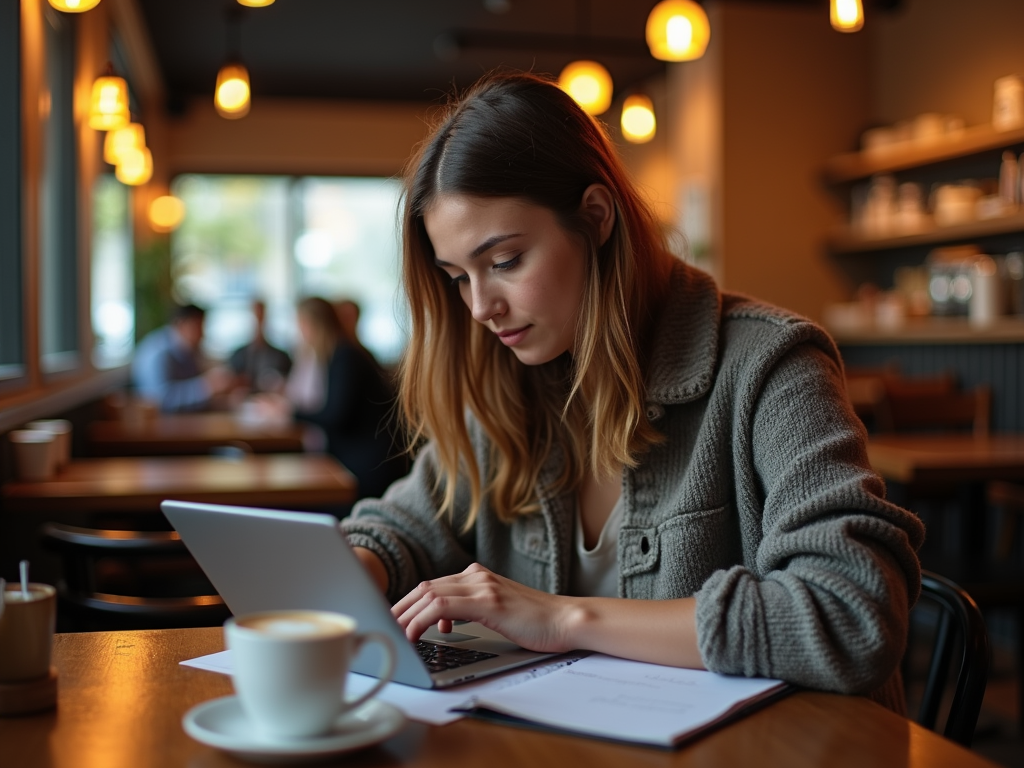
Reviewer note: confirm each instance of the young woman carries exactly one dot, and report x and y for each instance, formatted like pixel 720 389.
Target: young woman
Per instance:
pixel 615 455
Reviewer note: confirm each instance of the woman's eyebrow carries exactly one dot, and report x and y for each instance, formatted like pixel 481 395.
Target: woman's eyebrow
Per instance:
pixel 485 246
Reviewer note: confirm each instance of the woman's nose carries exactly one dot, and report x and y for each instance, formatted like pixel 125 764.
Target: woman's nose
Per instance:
pixel 485 302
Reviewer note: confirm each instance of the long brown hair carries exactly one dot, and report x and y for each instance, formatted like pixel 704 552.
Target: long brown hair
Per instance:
pixel 518 135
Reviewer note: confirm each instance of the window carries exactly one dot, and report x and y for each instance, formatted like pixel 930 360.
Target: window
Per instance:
pixel 113 303
pixel 58 224
pixel 11 324
pixel 282 238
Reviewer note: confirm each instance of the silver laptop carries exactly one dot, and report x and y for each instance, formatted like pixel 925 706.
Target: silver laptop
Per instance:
pixel 265 560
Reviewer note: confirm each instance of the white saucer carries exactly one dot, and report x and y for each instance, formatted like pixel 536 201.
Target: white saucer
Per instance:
pixel 221 723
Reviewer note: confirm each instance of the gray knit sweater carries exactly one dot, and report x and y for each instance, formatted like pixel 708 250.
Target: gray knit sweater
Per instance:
pixel 760 503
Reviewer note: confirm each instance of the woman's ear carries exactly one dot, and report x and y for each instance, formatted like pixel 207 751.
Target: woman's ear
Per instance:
pixel 599 206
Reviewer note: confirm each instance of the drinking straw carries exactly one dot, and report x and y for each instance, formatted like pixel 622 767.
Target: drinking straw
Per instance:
pixel 23 568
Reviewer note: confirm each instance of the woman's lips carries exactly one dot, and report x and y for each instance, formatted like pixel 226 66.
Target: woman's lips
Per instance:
pixel 511 338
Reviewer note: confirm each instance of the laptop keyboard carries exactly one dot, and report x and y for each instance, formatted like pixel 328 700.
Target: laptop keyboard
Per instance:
pixel 438 658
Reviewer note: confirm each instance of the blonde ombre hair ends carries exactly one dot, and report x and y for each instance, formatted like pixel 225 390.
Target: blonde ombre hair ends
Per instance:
pixel 521 136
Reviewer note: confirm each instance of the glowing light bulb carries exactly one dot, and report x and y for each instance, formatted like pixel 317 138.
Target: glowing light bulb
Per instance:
pixel 109 109
pixel 74 6
pixel 589 84
pixel 166 213
pixel 678 30
pixel 846 15
pixel 638 123
pixel 256 3
pixel 120 140
pixel 135 168
pixel 232 95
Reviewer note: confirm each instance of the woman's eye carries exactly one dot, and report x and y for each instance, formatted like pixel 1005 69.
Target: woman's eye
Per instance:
pixel 506 265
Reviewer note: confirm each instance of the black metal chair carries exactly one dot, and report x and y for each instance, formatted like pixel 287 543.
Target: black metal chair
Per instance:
pixel 114 579
pixel 960 626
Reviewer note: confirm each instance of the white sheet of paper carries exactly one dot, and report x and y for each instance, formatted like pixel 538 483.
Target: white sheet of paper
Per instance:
pixel 630 700
pixel 428 706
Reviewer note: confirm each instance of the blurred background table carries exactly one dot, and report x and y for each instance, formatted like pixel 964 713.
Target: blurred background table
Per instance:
pixel 943 458
pixel 134 484
pixel 123 694
pixel 191 433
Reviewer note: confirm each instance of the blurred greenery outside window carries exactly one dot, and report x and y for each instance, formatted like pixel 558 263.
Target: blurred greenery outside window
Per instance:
pixel 113 310
pixel 280 239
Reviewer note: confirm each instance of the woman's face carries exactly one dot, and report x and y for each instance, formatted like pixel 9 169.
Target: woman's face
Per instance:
pixel 517 269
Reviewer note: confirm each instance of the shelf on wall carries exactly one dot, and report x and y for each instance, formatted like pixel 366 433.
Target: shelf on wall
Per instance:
pixel 854 166
pixel 849 242
pixel 934 330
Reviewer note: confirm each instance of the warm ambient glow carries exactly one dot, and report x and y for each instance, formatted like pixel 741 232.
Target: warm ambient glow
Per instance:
pixel 589 84
pixel 232 95
pixel 678 30
pixel 74 6
pixel 109 104
pixel 166 213
pixel 847 15
pixel 256 3
pixel 135 168
pixel 120 140
pixel 638 123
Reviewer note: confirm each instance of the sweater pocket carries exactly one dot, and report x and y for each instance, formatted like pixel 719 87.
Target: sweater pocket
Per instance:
pixel 675 558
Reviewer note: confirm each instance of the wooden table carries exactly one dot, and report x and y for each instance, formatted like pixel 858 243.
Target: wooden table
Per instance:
pixel 191 433
pixel 123 694
pixel 944 459
pixel 287 481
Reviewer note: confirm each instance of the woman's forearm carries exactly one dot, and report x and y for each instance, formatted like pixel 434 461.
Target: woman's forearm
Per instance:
pixel 658 631
pixel 373 566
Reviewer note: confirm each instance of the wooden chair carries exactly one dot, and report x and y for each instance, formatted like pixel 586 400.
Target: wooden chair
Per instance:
pixel 116 579
pixel 959 626
pixel 933 404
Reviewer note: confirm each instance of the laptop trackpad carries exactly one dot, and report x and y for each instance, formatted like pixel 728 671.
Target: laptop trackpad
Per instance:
pixel 451 637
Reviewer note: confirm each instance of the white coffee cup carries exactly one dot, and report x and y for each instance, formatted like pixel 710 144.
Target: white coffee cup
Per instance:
pixel 290 669
pixel 61 430
pixel 34 455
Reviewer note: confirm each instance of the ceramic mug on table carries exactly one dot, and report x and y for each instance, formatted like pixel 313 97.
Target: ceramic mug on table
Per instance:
pixel 290 669
pixel 26 632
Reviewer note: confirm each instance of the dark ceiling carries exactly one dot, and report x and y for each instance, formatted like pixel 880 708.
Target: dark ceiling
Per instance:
pixel 414 50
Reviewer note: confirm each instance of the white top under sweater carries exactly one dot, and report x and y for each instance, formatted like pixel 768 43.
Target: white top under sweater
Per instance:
pixel 595 572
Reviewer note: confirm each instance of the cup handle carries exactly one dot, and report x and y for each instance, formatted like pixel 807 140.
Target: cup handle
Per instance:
pixel 387 671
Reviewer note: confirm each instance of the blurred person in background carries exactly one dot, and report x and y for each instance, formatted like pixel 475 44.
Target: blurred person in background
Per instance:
pixel 168 369
pixel 260 366
pixel 337 385
pixel 348 312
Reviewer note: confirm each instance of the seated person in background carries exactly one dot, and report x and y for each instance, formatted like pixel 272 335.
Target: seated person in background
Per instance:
pixel 260 366
pixel 615 455
pixel 348 316
pixel 167 368
pixel 338 386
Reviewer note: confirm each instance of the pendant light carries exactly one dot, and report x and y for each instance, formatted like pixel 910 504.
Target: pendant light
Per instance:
pixel 678 30
pixel 638 123
pixel 109 107
pixel 166 213
pixel 120 140
pixel 135 168
pixel 589 84
pixel 74 6
pixel 256 3
pixel 232 95
pixel 846 15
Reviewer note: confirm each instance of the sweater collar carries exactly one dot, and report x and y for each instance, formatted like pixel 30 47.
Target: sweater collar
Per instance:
pixel 685 349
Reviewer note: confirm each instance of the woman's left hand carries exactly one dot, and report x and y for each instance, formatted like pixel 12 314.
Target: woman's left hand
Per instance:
pixel 528 617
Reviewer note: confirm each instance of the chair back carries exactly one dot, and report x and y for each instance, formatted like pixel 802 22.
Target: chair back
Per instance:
pixel 114 579
pixel 960 626
pixel 937 404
